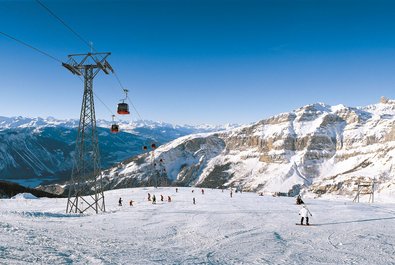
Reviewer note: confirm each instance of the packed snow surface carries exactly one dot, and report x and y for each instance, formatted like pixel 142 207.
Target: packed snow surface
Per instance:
pixel 218 229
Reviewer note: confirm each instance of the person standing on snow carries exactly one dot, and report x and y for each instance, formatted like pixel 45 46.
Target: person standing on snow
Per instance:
pixel 153 199
pixel 299 200
pixel 304 213
pixel 120 202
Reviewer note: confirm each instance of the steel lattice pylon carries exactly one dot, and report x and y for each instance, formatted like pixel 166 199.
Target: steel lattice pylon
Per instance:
pixel 86 188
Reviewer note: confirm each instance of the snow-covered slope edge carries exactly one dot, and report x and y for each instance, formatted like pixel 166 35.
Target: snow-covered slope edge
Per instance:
pixel 318 148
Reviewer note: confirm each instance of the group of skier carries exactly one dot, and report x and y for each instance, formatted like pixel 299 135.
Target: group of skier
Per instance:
pixel 304 212
pixel 120 202
pixel 162 198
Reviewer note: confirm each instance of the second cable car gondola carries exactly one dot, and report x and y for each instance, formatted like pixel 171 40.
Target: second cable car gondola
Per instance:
pixel 114 126
pixel 123 108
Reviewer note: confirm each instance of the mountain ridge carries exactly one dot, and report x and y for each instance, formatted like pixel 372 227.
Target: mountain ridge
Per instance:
pixel 318 148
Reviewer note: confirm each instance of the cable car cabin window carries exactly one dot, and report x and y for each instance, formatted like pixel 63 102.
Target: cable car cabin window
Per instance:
pixel 123 108
pixel 114 128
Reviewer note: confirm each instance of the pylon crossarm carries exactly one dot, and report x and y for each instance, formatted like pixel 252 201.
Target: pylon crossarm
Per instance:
pixel 101 64
pixel 72 62
pixel 81 64
pixel 100 61
pixel 89 53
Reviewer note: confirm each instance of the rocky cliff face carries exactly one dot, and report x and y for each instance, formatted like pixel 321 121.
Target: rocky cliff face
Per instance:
pixel 320 148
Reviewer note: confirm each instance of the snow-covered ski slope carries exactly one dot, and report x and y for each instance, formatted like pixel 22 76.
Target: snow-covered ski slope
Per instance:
pixel 244 229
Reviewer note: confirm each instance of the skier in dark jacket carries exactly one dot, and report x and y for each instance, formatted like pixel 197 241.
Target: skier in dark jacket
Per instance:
pixel 120 202
pixel 299 200
pixel 153 199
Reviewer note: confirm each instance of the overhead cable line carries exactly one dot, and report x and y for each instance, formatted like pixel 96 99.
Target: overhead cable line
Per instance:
pixel 104 104
pixel 87 43
pixel 131 103
pixel 64 23
pixel 119 81
pixel 30 46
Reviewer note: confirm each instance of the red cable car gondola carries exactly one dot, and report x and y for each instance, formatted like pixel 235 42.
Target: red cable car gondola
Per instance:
pixel 114 126
pixel 123 108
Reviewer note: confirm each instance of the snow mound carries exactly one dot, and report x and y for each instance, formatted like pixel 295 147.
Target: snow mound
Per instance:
pixel 25 196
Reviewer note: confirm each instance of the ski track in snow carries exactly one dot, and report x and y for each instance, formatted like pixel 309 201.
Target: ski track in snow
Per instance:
pixel 245 229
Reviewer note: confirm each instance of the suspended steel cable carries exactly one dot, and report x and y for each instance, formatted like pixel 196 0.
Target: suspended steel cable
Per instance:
pixel 87 43
pixel 30 46
pixel 103 104
pixel 131 103
pixel 64 23
pixel 119 81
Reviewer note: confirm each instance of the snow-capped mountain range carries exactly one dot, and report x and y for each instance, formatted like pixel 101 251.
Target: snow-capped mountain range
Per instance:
pixel 38 150
pixel 128 126
pixel 317 148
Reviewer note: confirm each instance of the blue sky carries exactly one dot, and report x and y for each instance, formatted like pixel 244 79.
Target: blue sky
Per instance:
pixel 187 61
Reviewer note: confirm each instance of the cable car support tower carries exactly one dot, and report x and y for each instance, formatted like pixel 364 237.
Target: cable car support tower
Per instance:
pixel 86 187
